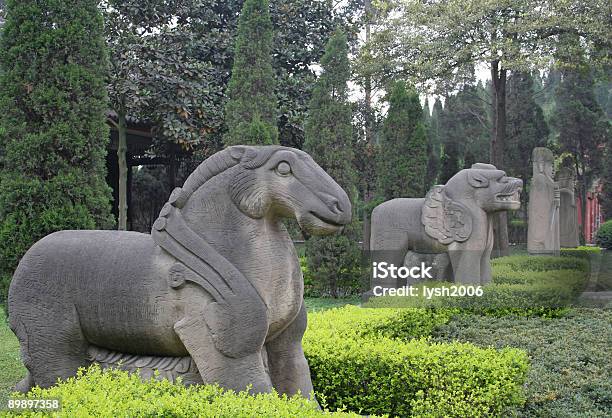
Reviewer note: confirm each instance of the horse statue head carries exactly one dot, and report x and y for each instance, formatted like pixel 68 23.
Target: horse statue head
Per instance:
pixel 272 181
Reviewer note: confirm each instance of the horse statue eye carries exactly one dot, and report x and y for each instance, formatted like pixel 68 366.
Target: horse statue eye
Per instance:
pixel 283 168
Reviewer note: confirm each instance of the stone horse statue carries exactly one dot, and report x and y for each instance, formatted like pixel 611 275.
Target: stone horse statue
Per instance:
pixel 214 294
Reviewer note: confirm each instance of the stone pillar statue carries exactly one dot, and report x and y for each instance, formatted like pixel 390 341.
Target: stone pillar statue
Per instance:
pixel 543 229
pixel 568 211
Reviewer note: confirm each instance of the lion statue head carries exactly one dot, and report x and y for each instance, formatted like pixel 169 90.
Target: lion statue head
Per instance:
pixel 449 211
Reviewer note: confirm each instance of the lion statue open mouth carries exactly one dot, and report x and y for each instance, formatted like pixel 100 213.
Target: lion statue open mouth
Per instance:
pixel 454 219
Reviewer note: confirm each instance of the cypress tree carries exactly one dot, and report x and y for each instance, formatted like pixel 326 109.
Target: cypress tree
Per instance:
pixel 451 140
pixel 52 110
pixel 526 126
pixel 402 162
pixel 582 126
pixel 333 261
pixel 250 113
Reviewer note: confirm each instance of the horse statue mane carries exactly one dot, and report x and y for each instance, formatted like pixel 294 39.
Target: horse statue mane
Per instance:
pixel 235 298
pixel 249 157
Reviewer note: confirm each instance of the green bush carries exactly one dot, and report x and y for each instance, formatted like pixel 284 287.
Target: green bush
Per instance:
pixel 604 235
pixel 580 251
pixel 540 263
pixel 357 362
pixel 522 286
pixel 404 324
pixel 570 362
pixel 114 393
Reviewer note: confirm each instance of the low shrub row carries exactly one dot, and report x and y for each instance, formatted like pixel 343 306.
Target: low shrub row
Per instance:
pixel 522 286
pixel 582 251
pixel 570 372
pixel 539 263
pixel 360 359
pixel 114 393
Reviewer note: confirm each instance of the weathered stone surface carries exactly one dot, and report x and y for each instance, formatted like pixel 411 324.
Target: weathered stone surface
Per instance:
pixel 568 211
pixel 214 294
pixel 543 213
pixel 453 222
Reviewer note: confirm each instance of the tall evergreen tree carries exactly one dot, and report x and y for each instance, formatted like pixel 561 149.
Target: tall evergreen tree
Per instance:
pixel 402 161
pixel 582 126
pixel 464 131
pixel 527 127
pixel 434 146
pixel 333 260
pixel 52 107
pixel 250 113
pixel 450 139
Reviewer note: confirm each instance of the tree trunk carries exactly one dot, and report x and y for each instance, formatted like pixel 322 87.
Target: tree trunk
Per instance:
pixel 583 203
pixel 123 170
pixel 368 80
pixel 498 139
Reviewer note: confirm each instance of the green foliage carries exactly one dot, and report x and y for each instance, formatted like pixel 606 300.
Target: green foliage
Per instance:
pixel 581 252
pixel 356 362
pixel 52 107
pixel 107 393
pixel 463 131
pixel 157 73
pixel 522 286
pixel 11 368
pixel 581 123
pixel 402 159
pixel 250 113
pixel 434 145
pixel 539 263
pixel 604 235
pixel 527 127
pixel 314 304
pixel 333 261
pixel 570 361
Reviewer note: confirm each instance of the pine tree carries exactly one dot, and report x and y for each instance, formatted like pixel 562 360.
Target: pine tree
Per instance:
pixel 402 161
pixel 251 112
pixel 52 108
pixel 333 261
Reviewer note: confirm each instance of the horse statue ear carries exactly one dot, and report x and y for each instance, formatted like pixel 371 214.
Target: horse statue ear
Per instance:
pixel 445 219
pixel 237 151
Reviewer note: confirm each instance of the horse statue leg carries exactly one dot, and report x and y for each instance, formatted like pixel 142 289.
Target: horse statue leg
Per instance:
pixel 288 367
pixel 216 367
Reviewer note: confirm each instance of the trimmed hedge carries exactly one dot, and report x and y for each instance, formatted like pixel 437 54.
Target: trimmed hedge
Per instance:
pixel 358 361
pixel 539 263
pixel 115 393
pixel 522 286
pixel 582 251
pixel 570 372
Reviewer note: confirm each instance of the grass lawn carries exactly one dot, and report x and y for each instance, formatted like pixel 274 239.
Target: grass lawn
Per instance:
pixel 11 369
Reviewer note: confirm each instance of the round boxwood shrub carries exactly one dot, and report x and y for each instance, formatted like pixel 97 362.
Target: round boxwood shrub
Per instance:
pixel 604 235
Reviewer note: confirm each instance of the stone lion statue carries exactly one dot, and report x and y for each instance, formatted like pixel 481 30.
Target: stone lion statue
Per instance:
pixel 451 229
